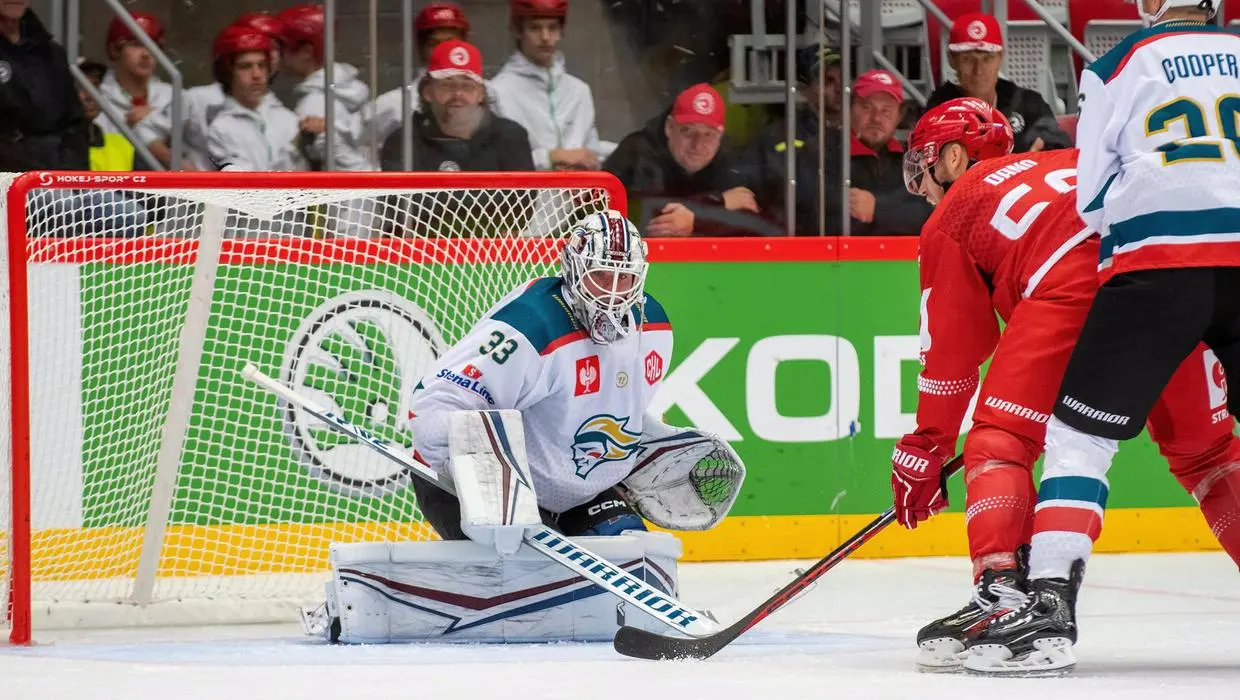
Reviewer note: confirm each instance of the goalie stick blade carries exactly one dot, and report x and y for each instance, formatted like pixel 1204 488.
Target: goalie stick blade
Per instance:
pixel 641 644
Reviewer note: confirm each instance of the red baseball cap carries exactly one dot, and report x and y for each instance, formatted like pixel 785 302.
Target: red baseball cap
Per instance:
pixel 876 81
pixel 455 57
pixel 699 104
pixel 976 31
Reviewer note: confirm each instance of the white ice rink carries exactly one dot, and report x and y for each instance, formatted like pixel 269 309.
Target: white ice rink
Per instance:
pixel 1153 626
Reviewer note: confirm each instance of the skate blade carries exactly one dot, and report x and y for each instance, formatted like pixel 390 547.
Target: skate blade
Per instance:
pixel 1050 657
pixel 943 655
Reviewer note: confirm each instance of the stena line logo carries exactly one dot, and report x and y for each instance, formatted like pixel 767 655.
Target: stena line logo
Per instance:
pixel 360 355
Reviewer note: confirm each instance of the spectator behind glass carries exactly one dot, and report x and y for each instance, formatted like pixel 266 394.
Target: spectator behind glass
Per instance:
pixel 975 52
pixel 534 90
pixel 108 151
pixel 201 104
pixel 304 60
pixel 109 212
pixel 251 133
pixel 453 129
pixel 131 88
pixel 878 201
pixel 682 155
pixel 41 121
pixel 766 159
pixel 435 24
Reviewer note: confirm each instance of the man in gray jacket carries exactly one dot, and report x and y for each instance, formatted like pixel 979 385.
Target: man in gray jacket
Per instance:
pixel 534 90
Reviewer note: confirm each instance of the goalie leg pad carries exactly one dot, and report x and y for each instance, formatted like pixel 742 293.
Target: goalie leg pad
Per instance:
pixel 492 477
pixel 461 591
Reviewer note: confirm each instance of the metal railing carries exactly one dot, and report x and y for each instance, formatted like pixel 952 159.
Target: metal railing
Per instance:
pixel 72 32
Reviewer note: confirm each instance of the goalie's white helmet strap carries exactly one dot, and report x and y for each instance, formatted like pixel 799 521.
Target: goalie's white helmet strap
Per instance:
pixel 604 270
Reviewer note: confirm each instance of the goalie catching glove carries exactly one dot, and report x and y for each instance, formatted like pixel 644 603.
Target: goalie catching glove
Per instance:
pixel 684 479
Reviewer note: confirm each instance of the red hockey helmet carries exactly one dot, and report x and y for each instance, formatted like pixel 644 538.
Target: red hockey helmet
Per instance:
pixel 119 34
pixel 238 38
pixel 539 8
pixel 441 15
pixel 980 128
pixel 273 27
pixel 304 25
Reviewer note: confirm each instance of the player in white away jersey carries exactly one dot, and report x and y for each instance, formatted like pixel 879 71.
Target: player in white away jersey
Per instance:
pixel 1158 178
pixel 580 356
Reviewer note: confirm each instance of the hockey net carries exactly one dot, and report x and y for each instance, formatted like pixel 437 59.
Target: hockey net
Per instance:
pixel 158 486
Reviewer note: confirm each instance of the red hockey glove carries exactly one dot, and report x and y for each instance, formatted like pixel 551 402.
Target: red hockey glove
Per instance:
pixel 917 479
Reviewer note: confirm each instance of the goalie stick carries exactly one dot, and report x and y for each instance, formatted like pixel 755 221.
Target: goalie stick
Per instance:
pixel 641 644
pixel 543 539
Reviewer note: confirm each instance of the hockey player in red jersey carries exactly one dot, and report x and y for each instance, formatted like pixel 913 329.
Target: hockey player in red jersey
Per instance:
pixel 1005 242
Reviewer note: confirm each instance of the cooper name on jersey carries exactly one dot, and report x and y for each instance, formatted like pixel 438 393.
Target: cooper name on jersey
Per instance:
pixel 1199 65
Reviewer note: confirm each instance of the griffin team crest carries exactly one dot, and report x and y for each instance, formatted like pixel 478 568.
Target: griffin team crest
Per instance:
pixel 602 439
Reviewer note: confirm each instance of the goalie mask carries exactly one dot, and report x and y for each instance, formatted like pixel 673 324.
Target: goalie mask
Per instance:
pixel 604 270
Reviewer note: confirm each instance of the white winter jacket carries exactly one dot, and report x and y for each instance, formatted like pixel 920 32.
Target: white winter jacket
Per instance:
pixel 384 113
pixel 352 95
pixel 200 106
pixel 557 109
pixel 252 140
pixel 158 96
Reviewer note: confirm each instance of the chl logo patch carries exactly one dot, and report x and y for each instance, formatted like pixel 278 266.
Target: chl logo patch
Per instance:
pixel 588 376
pixel 600 439
pixel 654 367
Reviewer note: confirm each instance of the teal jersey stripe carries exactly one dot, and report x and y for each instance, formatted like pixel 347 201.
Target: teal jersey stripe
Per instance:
pixel 1096 203
pixel 654 312
pixel 540 314
pixel 1110 62
pixel 1073 488
pixel 1169 223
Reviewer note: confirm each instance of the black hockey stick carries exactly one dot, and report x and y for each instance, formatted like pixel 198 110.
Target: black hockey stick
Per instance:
pixel 641 644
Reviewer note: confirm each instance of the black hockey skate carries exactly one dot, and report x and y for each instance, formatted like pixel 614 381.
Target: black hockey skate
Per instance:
pixel 1035 640
pixel 942 642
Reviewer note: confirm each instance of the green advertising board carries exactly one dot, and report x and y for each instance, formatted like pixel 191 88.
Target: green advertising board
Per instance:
pixel 801 352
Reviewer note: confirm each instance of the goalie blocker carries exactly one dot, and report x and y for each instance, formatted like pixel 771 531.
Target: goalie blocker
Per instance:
pixel 490 589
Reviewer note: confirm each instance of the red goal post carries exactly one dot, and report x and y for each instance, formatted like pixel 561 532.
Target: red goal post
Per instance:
pixel 148 484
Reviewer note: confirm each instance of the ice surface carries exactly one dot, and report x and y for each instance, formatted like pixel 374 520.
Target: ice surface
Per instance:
pixel 1153 626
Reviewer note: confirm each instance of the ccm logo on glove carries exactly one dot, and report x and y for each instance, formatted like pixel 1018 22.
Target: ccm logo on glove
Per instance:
pixel 605 505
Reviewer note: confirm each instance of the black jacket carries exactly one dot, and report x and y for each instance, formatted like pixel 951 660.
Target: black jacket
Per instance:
pixel 643 162
pixel 766 168
pixel 881 173
pixel 41 120
pixel 1029 114
pixel 498 144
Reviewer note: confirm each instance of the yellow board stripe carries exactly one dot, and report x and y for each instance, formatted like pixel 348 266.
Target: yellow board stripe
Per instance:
pixel 90 553
pixel 813 536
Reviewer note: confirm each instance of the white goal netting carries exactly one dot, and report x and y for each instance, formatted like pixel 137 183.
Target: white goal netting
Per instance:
pixel 163 487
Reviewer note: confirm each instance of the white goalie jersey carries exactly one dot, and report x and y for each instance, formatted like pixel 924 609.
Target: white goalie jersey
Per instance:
pixel 583 404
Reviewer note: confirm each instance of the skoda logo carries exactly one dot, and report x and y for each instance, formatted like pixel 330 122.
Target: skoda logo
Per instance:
pixel 360 354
